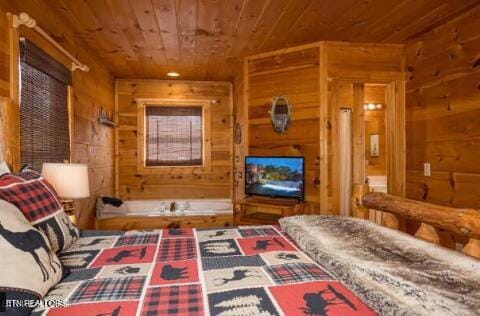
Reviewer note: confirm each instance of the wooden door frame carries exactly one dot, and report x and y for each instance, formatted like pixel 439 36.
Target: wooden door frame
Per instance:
pixel 395 138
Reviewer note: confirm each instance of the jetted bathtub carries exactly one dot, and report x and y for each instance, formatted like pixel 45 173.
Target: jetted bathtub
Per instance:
pixel 162 208
pixel 155 214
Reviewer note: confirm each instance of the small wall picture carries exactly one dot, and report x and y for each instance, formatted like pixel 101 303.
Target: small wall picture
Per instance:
pixel 374 145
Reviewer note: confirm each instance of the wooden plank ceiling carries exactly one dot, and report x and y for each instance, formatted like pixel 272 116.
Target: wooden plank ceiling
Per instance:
pixel 204 39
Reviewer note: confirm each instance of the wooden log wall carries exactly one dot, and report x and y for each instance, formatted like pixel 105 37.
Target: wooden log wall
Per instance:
pixel 316 78
pixel 91 142
pixel 178 182
pixel 443 119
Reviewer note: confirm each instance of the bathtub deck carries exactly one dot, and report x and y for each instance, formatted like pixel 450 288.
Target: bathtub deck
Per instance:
pixel 164 221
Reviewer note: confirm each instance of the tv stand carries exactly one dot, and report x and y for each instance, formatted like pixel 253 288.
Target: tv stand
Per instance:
pixel 255 210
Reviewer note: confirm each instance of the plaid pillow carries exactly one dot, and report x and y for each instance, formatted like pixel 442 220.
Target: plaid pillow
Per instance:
pixel 39 203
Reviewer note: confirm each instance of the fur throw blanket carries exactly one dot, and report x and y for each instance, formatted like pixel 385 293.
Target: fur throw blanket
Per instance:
pixel 396 274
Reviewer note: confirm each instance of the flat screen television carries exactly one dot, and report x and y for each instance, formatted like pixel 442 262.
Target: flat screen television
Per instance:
pixel 275 176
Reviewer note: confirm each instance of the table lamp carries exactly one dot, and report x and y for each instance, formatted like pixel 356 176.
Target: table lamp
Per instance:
pixel 69 180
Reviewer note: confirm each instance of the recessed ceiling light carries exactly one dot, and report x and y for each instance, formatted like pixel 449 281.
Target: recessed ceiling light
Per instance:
pixel 173 74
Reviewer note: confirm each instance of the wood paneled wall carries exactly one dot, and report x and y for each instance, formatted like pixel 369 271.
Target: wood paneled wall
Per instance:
pixel 132 184
pixel 305 74
pixel 443 113
pixel 91 142
pixel 295 75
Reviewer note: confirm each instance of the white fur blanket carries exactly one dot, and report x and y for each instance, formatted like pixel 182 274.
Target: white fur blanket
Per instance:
pixel 396 274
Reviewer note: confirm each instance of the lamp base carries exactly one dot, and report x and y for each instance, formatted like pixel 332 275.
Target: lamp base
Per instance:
pixel 68 206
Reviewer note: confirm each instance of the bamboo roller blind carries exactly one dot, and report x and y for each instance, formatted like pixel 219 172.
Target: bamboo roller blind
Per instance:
pixel 44 120
pixel 174 136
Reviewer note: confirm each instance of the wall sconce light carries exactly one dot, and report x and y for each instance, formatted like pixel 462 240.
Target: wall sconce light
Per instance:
pixel 372 106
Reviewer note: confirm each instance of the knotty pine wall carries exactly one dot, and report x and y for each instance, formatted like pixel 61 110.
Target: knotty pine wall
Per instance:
pixel 443 113
pixel 295 75
pixel 310 76
pixel 217 183
pixel 91 142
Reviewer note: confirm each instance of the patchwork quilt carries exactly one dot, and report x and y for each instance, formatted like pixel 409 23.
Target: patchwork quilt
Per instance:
pixel 255 270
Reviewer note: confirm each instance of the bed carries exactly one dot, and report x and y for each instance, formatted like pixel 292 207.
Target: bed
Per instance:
pixel 255 270
pixel 347 267
pixel 310 265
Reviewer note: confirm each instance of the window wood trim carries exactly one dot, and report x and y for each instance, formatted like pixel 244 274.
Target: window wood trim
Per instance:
pixel 71 120
pixel 141 132
pixel 11 117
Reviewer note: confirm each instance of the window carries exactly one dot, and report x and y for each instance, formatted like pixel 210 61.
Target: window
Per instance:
pixel 44 117
pixel 174 136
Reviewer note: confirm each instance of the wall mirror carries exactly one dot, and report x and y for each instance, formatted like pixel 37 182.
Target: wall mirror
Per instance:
pixel 280 114
pixel 374 145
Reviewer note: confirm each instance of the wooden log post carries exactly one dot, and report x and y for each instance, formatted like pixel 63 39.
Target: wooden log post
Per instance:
pixel 472 248
pixel 358 209
pixel 393 221
pixel 445 238
pixel 465 222
pixel 427 233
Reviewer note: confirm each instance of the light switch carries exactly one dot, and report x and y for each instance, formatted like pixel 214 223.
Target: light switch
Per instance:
pixel 426 170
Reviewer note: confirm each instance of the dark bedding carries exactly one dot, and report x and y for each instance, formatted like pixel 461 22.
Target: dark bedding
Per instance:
pixel 393 272
pixel 232 271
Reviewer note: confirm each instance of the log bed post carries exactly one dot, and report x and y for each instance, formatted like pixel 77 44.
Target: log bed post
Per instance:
pixel 358 209
pixel 472 248
pixel 461 221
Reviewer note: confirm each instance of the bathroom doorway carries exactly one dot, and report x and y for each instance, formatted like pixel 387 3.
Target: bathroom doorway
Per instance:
pixel 375 141
pixel 367 142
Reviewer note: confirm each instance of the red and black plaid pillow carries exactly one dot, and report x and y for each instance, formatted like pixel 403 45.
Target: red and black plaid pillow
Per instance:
pixel 39 203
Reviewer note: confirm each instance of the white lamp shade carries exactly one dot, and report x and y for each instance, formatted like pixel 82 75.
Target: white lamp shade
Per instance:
pixel 68 179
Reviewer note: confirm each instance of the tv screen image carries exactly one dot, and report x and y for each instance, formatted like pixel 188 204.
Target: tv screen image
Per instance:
pixel 274 176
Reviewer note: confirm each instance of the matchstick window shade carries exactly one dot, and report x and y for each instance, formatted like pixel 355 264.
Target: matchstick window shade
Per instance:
pixel 174 136
pixel 44 119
